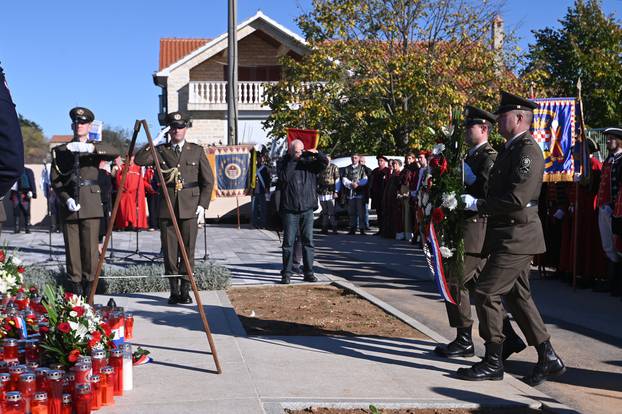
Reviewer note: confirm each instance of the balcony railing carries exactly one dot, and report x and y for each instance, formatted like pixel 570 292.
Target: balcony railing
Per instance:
pixel 212 95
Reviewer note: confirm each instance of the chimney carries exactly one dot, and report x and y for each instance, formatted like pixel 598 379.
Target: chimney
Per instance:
pixel 497 41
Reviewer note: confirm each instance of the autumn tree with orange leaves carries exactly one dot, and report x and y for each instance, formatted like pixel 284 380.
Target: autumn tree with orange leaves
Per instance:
pixel 382 74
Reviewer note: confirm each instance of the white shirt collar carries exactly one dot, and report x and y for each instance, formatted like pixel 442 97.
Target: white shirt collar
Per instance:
pixel 181 145
pixel 473 149
pixel 507 144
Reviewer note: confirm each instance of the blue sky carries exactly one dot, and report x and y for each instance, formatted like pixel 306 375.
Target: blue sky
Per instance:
pixel 61 54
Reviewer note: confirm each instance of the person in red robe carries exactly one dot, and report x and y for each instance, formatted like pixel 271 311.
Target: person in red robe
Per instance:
pixel 132 213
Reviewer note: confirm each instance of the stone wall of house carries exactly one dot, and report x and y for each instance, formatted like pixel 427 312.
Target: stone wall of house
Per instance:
pixel 208 131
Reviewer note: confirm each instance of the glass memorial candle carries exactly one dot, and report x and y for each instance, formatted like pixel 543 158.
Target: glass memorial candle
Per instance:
pixel 66 405
pixel 39 404
pixel 14 404
pixel 82 399
pixel 15 371
pixel 4 366
pixel 10 349
pixel 98 361
pixel 97 392
pixel 31 351
pixel 41 379
pixel 21 300
pixel 69 382
pixel 129 325
pixel 55 390
pixel 27 388
pixel 116 361
pixel 82 373
pixel 5 379
pixel 32 366
pixel 128 378
pixel 107 385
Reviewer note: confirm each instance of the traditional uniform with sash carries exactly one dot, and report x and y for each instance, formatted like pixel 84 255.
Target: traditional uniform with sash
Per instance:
pixel 189 182
pixel 513 236
pixel 327 182
pixel 78 181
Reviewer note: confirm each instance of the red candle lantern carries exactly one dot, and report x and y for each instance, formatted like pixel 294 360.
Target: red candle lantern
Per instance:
pixel 107 385
pixel 116 361
pixel 82 399
pixel 39 403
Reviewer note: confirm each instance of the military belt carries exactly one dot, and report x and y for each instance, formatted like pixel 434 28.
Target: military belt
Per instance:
pixel 186 185
pixel 84 183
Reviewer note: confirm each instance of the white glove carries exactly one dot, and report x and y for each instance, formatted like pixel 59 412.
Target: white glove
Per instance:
pixel 29 194
pixel 470 202
pixel 200 211
pixel 161 135
pixel 559 214
pixel 81 147
pixel 72 206
pixel 267 195
pixel 469 177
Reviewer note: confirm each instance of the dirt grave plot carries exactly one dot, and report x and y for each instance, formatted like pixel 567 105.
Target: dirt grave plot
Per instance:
pixel 313 311
pixel 508 410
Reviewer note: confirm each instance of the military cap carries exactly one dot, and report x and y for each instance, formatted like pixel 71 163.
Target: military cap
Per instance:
pixel 510 102
pixel 475 116
pixel 81 114
pixel 383 157
pixel 614 132
pixel 176 119
pixel 592 146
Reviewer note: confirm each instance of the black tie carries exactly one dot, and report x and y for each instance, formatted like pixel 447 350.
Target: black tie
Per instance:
pixel 177 150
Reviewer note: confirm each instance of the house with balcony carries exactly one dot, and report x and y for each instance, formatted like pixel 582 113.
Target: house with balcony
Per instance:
pixel 193 77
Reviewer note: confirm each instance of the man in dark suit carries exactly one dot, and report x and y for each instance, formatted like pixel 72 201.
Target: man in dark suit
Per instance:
pixel 75 169
pixel 189 183
pixel 12 154
pixel 477 164
pixel 513 236
pixel 24 190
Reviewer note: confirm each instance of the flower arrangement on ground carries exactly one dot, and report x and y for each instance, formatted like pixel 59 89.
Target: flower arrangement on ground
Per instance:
pixel 73 327
pixel 11 271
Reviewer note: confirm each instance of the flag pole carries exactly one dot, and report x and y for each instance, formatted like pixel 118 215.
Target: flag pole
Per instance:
pixel 583 172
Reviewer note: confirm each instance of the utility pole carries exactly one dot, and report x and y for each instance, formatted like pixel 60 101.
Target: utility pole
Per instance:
pixel 232 76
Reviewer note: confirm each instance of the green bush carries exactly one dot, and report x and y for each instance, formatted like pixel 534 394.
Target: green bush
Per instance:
pixel 133 279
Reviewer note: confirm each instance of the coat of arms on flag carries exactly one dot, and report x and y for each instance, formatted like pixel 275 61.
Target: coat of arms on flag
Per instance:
pixel 553 127
pixel 231 169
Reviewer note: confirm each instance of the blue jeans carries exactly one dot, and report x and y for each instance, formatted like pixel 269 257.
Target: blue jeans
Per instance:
pixel 356 211
pixel 294 222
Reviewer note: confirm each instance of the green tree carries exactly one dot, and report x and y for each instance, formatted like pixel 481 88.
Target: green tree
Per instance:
pixel 36 147
pixel 588 45
pixel 380 73
pixel 117 137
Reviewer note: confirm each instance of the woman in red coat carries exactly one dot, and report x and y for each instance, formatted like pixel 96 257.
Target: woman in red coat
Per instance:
pixel 132 213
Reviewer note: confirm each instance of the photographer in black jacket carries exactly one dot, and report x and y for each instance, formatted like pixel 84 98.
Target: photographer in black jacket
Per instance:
pixel 297 177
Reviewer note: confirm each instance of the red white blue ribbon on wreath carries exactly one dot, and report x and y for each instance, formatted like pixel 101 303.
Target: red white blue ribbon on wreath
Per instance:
pixel 436 265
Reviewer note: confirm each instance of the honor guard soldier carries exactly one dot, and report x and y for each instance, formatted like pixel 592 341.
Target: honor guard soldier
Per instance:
pixel 477 164
pixel 75 168
pixel 189 182
pixel 513 236
pixel 12 154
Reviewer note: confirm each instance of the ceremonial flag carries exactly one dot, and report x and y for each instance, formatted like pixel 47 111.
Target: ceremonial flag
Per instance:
pixel 232 166
pixel 309 137
pixel 435 262
pixel 553 127
pixel 95 133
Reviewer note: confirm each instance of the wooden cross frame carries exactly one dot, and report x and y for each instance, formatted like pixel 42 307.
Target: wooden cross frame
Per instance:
pixel 182 248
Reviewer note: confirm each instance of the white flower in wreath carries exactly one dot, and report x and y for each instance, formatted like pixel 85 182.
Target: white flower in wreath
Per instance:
pixel 446 252
pixel 438 149
pixel 16 260
pixel 449 200
pixel 79 329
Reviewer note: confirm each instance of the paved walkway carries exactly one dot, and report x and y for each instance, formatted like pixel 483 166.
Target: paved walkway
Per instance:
pixel 265 374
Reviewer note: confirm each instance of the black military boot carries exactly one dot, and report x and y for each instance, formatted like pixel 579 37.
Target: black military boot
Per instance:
pixel 513 343
pixel 174 286
pixel 549 365
pixel 75 288
pixel 462 346
pixel 489 368
pixel 185 298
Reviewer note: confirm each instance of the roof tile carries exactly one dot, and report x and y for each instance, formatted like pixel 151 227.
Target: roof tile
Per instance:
pixel 173 49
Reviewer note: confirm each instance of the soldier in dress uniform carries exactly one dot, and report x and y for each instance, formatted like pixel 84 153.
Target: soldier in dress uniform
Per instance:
pixel 477 164
pixel 75 169
pixel 11 142
pixel 513 236
pixel 189 182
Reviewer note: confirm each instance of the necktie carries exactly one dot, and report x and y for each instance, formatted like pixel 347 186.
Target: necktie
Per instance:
pixel 177 150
